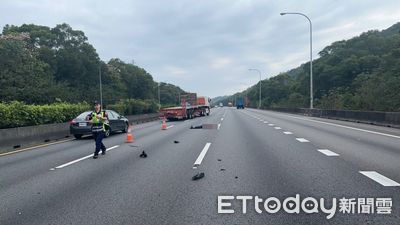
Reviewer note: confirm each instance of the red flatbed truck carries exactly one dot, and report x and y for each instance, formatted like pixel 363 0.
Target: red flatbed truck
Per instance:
pixel 191 106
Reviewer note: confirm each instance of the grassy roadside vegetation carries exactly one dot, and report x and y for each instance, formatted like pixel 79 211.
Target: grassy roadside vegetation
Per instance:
pixel 19 114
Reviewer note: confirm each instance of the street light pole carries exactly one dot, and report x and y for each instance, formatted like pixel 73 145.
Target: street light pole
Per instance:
pixel 259 101
pixel 101 90
pixel 311 71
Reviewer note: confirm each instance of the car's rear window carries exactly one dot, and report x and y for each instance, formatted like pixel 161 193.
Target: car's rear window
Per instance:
pixel 83 115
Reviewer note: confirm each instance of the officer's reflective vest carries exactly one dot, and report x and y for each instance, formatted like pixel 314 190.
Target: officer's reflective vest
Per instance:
pixel 98 125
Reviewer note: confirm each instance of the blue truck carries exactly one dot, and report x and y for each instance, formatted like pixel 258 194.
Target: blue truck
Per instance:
pixel 239 103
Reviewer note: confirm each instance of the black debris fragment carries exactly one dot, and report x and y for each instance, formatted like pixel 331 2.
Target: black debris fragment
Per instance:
pixel 176 142
pixel 222 169
pixel 198 176
pixel 236 177
pixel 196 127
pixel 143 155
pixel 219 160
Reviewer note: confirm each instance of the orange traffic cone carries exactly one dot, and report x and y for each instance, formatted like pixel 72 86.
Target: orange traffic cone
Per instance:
pixel 163 125
pixel 129 136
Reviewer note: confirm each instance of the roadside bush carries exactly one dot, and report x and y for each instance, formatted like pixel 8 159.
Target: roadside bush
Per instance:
pixel 19 114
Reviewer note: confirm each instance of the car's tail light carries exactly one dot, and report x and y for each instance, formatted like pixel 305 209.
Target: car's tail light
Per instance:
pixel 73 122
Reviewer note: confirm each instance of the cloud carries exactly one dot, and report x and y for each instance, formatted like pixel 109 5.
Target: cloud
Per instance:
pixel 220 63
pixel 175 72
pixel 207 46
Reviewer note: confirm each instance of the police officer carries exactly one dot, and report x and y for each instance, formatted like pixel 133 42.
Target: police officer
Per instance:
pixel 99 119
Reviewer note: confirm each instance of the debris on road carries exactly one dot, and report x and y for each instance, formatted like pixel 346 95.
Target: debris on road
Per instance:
pixel 236 177
pixel 211 126
pixel 143 155
pixel 198 176
pixel 205 126
pixel 222 169
pixel 176 142
pixel 219 160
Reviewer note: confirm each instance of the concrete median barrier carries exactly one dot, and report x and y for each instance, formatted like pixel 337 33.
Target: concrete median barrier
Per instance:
pixel 390 119
pixel 15 138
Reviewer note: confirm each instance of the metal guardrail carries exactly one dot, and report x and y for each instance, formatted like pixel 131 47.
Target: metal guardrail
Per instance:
pixel 15 138
pixel 390 119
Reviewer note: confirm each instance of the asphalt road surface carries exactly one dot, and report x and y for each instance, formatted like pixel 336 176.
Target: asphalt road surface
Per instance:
pixel 248 153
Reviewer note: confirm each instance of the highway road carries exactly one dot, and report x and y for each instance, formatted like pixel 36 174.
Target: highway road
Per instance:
pixel 249 153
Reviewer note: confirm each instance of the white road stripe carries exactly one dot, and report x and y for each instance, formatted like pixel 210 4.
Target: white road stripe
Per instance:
pixel 302 140
pixel 202 154
pixel 222 119
pixel 265 121
pixel 380 178
pixel 277 128
pixel 83 158
pixel 328 152
pixel 287 132
pixel 219 125
pixel 170 126
pixel 347 127
pixel 271 124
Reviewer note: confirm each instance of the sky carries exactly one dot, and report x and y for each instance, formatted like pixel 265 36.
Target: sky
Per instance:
pixel 207 46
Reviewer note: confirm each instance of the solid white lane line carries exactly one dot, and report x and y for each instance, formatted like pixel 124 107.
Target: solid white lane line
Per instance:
pixel 202 154
pixel 302 140
pixel 170 126
pixel 287 132
pixel 271 124
pixel 80 159
pixel 328 152
pixel 219 125
pixel 380 178
pixel 347 127
pixel 265 121
pixel 277 128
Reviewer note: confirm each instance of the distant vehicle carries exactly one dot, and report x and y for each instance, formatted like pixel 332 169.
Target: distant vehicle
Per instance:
pixel 80 126
pixel 215 106
pixel 191 106
pixel 221 104
pixel 239 103
pixel 230 104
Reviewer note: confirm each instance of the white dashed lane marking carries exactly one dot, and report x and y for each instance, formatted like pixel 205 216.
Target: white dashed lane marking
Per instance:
pixel 80 159
pixel 277 128
pixel 302 140
pixel 271 124
pixel 328 152
pixel 379 178
pixel 201 156
pixel 287 132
